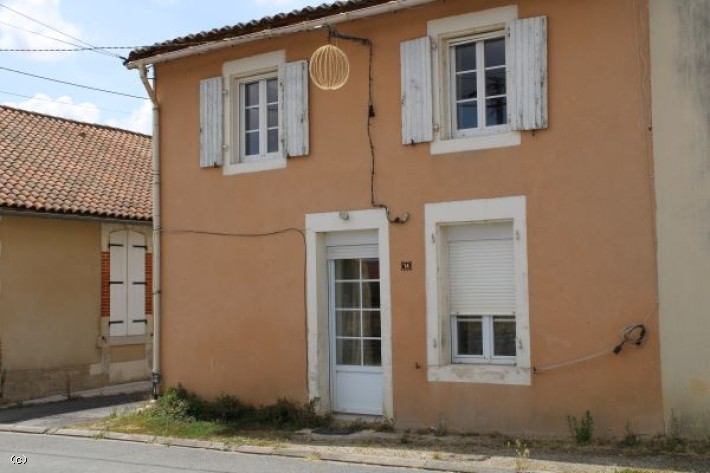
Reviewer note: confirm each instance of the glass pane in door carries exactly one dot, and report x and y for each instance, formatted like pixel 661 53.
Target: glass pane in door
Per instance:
pixel 357 312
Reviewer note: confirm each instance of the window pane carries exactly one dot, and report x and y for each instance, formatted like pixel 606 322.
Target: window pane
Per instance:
pixel 465 57
pixel 470 336
pixel 371 268
pixel 467 115
pixel 273 141
pixel 251 94
pixel 251 143
pixel 348 352
pixel 503 337
pixel 251 121
pixel 372 352
pixel 466 86
pixel 496 112
pixel 272 91
pixel 347 269
pixel 495 52
pixel 371 324
pixel 347 323
pixel 272 118
pixel 371 295
pixel 347 295
pixel 495 82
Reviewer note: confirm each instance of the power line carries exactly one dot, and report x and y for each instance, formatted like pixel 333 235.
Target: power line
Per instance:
pixel 47 37
pixel 4 92
pixel 123 94
pixel 54 29
pixel 63 50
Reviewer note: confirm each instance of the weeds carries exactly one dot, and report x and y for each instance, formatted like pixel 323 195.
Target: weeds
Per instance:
pixel 631 439
pixel 583 429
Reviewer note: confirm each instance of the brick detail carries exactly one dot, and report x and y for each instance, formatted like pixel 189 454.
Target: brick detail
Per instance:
pixel 105 286
pixel 148 283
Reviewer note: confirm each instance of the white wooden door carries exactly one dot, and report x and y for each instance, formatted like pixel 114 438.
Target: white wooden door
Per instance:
pixel 128 285
pixel 355 329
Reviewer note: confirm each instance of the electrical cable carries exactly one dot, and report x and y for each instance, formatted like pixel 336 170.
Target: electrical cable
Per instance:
pixel 123 94
pixel 633 334
pixel 333 33
pixel 282 231
pixel 77 47
pixel 4 92
pixel 53 28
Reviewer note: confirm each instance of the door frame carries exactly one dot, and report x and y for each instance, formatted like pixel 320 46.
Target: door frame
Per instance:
pixel 318 225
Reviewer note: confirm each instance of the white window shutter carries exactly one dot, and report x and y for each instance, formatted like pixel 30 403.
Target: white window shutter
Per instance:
pixel 211 116
pixel 416 75
pixel 117 282
pixel 136 284
pixel 293 80
pixel 527 94
pixel 482 269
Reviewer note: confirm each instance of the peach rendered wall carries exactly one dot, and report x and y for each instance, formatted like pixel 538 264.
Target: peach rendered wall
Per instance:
pixel 233 307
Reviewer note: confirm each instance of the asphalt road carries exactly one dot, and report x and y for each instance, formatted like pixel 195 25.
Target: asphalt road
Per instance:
pixel 65 413
pixel 54 454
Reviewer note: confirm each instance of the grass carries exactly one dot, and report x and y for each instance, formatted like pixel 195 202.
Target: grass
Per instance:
pixel 181 414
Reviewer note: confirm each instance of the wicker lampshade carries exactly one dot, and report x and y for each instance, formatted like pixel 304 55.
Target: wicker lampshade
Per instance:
pixel 329 67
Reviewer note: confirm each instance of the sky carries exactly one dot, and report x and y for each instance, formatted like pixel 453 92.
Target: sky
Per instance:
pixel 36 24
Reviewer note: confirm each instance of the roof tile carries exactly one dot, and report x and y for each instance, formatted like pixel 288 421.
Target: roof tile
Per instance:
pixel 56 165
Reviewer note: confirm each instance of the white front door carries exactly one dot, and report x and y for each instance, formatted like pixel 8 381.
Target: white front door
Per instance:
pixel 355 329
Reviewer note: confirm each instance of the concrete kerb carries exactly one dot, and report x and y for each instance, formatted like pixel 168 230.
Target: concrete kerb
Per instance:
pixel 292 452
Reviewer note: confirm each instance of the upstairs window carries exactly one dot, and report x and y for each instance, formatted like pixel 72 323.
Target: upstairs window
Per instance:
pixel 255 115
pixel 259 118
pixel 475 81
pixel 478 82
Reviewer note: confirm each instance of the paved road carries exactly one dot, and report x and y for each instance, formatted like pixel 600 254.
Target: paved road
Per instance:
pixel 65 413
pixel 54 454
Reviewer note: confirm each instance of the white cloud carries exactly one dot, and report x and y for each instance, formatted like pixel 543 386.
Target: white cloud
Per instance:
pixel 60 107
pixel 140 120
pixel 45 11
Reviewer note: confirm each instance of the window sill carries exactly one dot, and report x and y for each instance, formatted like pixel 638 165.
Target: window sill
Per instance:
pixel 480 373
pixel 257 166
pixel 473 143
pixel 129 340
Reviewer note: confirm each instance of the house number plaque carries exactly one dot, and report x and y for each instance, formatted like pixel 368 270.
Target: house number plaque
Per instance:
pixel 406 265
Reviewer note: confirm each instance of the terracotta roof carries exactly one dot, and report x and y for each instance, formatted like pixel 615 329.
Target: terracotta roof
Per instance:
pixel 241 29
pixel 51 164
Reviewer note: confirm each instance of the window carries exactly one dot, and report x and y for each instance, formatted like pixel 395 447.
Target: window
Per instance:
pixel 475 81
pixel 481 283
pixel 478 84
pixel 259 118
pixel 255 115
pixel 477 313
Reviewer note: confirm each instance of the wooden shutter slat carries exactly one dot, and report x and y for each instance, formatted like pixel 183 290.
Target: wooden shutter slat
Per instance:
pixel 294 99
pixel 528 74
pixel 416 98
pixel 211 116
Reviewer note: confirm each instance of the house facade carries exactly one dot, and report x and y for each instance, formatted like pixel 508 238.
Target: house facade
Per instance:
pixel 461 236
pixel 76 256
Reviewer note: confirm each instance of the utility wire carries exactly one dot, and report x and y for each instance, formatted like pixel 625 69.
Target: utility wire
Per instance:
pixel 53 28
pixel 79 48
pixel 4 92
pixel 123 94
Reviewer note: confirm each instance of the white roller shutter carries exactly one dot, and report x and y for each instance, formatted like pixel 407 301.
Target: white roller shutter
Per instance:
pixel 481 269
